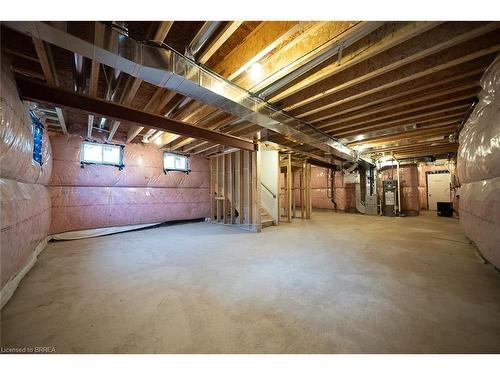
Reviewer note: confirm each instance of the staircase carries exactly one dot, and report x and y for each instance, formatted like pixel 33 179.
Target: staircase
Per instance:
pixel 266 219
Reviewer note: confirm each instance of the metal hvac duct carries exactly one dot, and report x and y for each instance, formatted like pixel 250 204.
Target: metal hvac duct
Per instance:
pixel 164 67
pixel 318 56
pixel 201 37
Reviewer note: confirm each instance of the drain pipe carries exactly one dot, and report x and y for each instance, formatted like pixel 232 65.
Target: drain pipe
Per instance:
pixel 111 90
pixel 201 38
pixel 359 206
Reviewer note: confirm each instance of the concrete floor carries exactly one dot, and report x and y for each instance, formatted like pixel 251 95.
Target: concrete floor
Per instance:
pixel 339 283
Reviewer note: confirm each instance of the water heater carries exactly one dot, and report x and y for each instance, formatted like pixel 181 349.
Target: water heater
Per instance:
pixel 390 197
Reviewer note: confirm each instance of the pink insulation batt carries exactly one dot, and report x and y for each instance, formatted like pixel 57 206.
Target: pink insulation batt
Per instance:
pixel 101 196
pixel 345 196
pixel 25 202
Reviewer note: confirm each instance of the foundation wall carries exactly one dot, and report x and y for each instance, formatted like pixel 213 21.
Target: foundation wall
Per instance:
pixel 98 196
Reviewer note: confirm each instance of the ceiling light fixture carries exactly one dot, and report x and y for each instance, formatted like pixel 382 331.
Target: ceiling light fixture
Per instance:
pixel 255 71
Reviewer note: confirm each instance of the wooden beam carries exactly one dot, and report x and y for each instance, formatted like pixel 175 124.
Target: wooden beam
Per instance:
pixel 392 81
pixel 266 37
pixel 343 107
pixel 219 40
pixel 94 81
pixel 427 152
pixel 162 31
pixel 339 118
pixel 208 124
pixel 402 147
pixel 42 51
pixel 62 121
pixel 399 122
pixel 133 132
pixel 314 38
pixel 20 54
pixel 354 122
pixel 433 129
pixel 427 123
pixel 94 78
pixel 35 91
pixel 160 35
pixel 47 64
pixel 28 72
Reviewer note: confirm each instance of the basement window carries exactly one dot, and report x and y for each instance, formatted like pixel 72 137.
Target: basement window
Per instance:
pixel 99 153
pixel 175 162
pixel 37 137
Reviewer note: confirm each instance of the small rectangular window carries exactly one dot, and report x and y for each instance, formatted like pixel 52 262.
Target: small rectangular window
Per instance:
pixel 98 153
pixel 37 137
pixel 175 162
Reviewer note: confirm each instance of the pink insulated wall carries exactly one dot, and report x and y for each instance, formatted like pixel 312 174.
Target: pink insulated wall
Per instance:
pixel 25 202
pixel 103 196
pixel 344 193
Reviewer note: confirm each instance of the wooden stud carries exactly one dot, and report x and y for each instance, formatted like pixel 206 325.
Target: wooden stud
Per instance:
pixel 308 195
pixel 231 186
pixel 224 186
pixel 256 167
pixel 241 185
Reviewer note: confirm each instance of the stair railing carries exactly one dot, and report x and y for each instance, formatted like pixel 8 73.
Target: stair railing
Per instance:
pixel 269 190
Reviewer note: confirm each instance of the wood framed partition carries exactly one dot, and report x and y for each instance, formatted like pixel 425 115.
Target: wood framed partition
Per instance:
pixel 235 189
pixel 296 178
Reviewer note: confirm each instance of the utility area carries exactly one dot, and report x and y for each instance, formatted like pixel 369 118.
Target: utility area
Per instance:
pixel 250 186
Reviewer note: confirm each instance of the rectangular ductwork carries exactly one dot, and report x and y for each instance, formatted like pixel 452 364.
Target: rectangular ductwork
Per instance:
pixel 163 66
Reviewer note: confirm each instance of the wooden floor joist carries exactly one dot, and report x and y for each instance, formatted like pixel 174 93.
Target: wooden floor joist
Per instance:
pixel 372 84
pixel 419 55
pixel 389 38
pixel 356 122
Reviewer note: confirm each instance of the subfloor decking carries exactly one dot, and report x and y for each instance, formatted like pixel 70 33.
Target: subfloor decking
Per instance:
pixel 339 283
